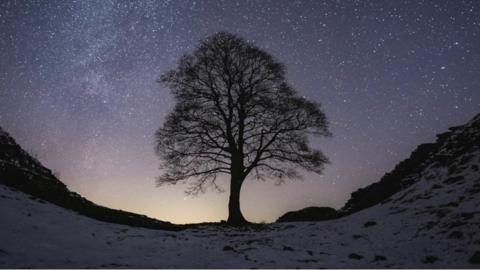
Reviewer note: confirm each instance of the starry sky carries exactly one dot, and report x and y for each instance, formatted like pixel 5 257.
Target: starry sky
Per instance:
pixel 78 89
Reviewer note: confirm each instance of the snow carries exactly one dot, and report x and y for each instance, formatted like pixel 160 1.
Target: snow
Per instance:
pixel 431 224
pixel 39 234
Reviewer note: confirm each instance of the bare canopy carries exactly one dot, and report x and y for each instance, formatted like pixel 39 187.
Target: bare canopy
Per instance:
pixel 235 114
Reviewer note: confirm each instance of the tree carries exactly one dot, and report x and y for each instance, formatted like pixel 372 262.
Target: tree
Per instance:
pixel 235 114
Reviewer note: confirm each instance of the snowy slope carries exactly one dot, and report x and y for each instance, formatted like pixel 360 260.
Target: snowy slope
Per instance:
pixel 433 223
pixel 18 169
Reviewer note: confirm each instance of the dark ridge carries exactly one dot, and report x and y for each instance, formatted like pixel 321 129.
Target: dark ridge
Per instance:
pixel 25 173
pixel 448 146
pixel 310 214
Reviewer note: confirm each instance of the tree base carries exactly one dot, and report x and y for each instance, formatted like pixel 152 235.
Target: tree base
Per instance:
pixel 237 221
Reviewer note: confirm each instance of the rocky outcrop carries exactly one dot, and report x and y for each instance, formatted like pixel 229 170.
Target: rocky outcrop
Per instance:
pixel 310 214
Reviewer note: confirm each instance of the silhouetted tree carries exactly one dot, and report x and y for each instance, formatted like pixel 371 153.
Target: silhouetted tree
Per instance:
pixel 235 114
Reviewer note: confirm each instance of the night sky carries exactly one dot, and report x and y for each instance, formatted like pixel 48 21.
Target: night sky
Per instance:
pixel 78 89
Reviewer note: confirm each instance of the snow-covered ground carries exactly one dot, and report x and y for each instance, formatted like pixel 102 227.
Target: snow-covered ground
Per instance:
pixel 420 227
pixel 434 223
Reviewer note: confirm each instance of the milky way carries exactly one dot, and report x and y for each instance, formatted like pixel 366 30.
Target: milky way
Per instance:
pixel 78 89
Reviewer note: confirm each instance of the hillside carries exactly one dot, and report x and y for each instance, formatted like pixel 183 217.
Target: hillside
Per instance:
pixel 23 172
pixel 458 142
pixel 449 146
pixel 431 222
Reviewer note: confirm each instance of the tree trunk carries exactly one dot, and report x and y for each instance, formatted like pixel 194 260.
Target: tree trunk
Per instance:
pixel 235 216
